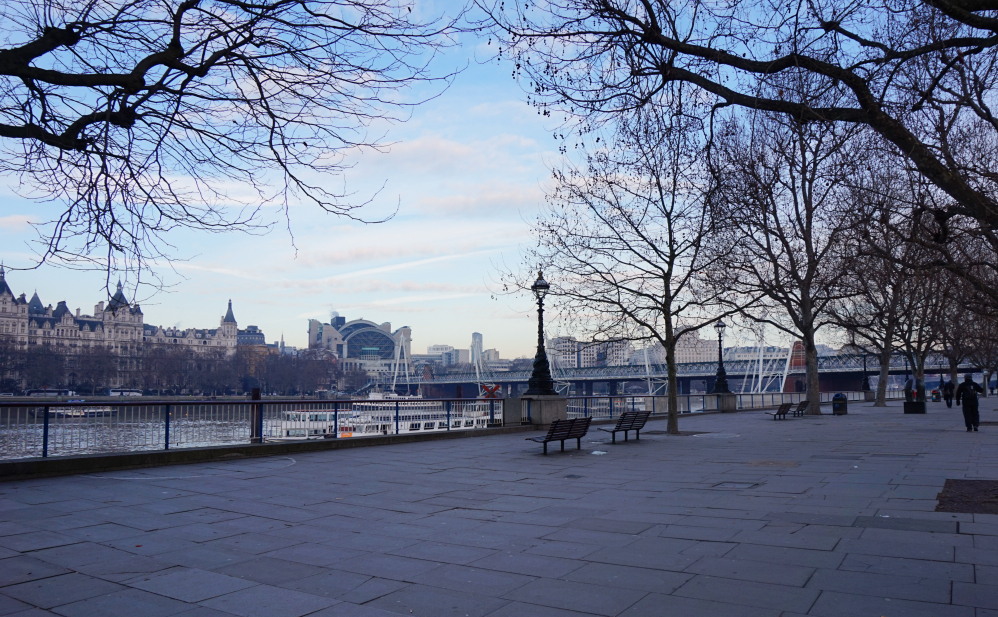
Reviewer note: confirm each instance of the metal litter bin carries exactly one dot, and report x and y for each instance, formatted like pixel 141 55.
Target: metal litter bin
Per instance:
pixel 840 404
pixel 935 396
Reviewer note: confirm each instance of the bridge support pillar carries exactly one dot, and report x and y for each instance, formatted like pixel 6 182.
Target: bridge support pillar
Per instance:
pixel 588 391
pixel 612 387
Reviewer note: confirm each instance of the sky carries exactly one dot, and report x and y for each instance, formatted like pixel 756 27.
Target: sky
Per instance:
pixel 467 173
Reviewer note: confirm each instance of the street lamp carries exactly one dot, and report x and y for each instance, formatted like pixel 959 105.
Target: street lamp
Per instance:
pixel 541 383
pixel 721 381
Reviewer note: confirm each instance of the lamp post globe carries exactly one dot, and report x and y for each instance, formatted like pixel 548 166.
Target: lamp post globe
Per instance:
pixel 721 381
pixel 540 383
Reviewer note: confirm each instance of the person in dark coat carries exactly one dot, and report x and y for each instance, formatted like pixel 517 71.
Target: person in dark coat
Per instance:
pixel 948 391
pixel 967 392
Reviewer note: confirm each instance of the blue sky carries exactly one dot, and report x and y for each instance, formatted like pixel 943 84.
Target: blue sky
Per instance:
pixel 467 174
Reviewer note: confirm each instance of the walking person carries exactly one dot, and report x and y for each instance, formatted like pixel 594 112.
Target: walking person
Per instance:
pixel 967 392
pixel 948 390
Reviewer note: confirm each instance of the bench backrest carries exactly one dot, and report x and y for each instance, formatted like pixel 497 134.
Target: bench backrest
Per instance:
pixel 559 430
pixel 784 408
pixel 579 428
pixel 632 420
pixel 803 405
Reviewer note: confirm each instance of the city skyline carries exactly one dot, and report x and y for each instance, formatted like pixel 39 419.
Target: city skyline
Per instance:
pixel 462 178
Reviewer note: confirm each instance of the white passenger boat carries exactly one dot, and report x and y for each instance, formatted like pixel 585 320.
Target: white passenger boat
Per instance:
pixel 369 418
pixel 78 412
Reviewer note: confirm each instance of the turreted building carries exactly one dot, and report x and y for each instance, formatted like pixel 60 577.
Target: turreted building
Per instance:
pixel 117 326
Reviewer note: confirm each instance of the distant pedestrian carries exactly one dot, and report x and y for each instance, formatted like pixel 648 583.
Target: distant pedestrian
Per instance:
pixel 948 390
pixel 967 392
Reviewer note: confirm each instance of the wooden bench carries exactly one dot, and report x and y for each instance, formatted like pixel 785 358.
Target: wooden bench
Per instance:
pixel 628 421
pixel 801 408
pixel 781 413
pixel 565 429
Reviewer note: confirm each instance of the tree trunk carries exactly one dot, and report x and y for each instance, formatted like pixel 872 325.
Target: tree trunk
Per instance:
pixel 987 380
pixel 919 369
pixel 670 367
pixel 953 374
pixel 813 388
pixel 885 367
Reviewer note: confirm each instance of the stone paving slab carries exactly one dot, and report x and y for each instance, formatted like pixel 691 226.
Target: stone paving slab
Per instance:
pixel 827 516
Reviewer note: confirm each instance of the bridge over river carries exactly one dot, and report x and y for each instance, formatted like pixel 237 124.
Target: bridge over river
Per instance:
pixel 841 372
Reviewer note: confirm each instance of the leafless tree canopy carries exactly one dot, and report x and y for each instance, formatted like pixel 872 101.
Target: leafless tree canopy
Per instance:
pixel 628 242
pixel 919 73
pixel 780 191
pixel 144 116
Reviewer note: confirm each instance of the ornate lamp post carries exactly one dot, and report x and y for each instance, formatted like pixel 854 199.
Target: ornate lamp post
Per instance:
pixel 541 383
pixel 721 381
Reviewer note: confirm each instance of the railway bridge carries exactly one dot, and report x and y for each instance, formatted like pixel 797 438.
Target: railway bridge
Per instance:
pixel 835 373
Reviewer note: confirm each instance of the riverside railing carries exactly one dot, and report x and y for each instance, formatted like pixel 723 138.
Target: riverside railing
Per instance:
pixel 50 428
pixel 610 407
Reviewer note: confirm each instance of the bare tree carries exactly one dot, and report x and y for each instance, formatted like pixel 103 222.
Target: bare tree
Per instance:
pixel 983 334
pixel 920 74
pixel 143 116
pixel 44 366
pixel 871 311
pixel 627 239
pixel 96 367
pixel 919 329
pixel 779 184
pixel 880 258
pixel 11 362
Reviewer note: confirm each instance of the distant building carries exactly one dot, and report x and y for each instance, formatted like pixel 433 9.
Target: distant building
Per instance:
pixel 435 350
pixel 476 346
pixel 563 351
pixel 361 344
pixel 500 365
pixel 118 326
pixel 826 350
pixel 691 348
pixel 614 353
pixel 490 355
pixel 455 356
pixel 751 352
pixel 251 336
pixel 224 338
pixel 427 358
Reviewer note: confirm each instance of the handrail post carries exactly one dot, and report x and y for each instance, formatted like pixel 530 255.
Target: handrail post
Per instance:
pixel 166 429
pixel 396 417
pixel 492 413
pixel 45 432
pixel 256 418
pixel 585 407
pixel 336 420
pixel 448 416
pixel 653 397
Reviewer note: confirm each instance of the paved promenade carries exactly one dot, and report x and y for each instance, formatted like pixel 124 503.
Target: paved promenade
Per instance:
pixel 830 516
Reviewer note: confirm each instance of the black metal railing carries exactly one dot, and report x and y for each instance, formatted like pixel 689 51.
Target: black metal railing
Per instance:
pixel 53 428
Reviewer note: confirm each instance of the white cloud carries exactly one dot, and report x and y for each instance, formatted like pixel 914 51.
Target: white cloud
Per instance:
pixel 16 222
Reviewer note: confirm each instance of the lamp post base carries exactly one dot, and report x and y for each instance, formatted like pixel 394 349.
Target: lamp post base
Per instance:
pixel 541 410
pixel 727 402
